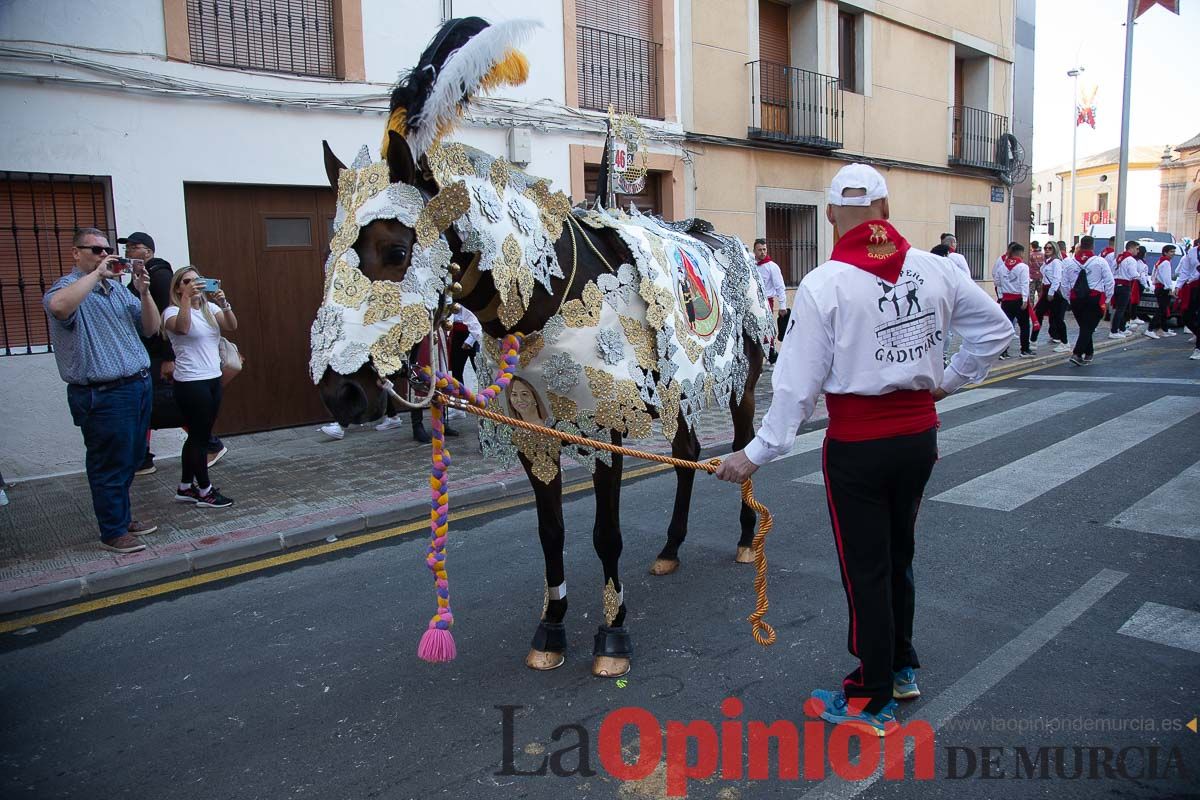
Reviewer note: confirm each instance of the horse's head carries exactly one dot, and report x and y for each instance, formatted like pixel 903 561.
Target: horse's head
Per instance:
pixel 387 278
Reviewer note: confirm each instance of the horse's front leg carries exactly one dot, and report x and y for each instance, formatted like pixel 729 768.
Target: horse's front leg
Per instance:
pixel 685 445
pixel 613 647
pixel 743 433
pixel 548 648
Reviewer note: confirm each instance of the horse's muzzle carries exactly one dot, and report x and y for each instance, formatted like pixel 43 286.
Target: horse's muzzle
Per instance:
pixel 351 399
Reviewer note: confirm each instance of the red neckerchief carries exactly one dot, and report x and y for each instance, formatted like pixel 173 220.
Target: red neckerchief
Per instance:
pixel 1161 259
pixel 1082 256
pixel 874 246
pixel 1104 253
pixel 1011 262
pixel 763 260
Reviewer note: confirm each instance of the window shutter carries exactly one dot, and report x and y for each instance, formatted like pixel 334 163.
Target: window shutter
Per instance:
pixel 293 36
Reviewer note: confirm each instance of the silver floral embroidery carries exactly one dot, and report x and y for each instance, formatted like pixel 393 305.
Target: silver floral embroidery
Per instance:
pixel 554 328
pixel 487 201
pixel 621 289
pixel 610 344
pixel 562 373
pixel 406 201
pixel 519 211
pixel 350 358
pixel 326 333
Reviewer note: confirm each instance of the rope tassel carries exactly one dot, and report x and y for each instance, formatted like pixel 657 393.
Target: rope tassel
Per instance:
pixel 437 643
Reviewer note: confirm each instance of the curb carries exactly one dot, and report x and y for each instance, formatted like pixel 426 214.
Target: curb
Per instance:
pixel 225 553
pixel 143 572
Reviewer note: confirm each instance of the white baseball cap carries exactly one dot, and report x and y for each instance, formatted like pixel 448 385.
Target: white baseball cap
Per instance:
pixel 857 176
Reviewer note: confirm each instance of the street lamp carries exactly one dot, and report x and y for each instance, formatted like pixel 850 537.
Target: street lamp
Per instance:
pixel 1074 74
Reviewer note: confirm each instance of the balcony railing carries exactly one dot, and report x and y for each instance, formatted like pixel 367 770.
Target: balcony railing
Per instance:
pixel 793 105
pixel 975 138
pixel 621 71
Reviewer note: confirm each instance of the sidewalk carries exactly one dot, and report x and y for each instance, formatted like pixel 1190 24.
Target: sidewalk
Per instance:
pixel 292 488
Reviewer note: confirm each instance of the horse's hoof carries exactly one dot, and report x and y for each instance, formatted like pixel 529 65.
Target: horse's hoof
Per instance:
pixel 745 555
pixel 664 566
pixel 543 660
pixel 609 667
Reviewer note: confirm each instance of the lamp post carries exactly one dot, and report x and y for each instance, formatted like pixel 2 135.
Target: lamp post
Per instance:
pixel 1074 73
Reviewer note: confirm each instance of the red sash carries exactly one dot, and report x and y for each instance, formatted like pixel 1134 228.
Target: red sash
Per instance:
pixel 857 418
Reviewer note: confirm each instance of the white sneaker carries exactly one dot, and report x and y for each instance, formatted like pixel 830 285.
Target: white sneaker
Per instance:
pixel 390 422
pixel 1116 336
pixel 1149 334
pixel 1168 333
pixel 455 413
pixel 1195 356
pixel 333 430
pixel 1061 348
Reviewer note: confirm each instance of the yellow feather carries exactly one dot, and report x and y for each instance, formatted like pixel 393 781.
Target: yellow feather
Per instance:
pixel 396 122
pixel 512 70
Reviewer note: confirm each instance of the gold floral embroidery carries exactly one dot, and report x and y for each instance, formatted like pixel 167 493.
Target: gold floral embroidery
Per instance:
pixel 448 161
pixel 371 181
pixel 683 333
pixel 514 282
pixel 541 450
pixel 532 345
pixel 669 414
pixel 562 407
pixel 442 210
pixel 391 349
pixel 612 602
pixel 383 302
pixel 660 303
pixel 350 286
pixel 585 312
pixel 660 254
pixel 619 405
pixel 500 174
pixel 643 341
pixel 345 236
pixel 553 208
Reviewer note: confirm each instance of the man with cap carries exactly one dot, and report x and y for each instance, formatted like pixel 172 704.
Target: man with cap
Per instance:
pixel 888 304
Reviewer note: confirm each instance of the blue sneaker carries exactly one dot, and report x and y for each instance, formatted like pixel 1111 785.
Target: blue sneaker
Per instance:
pixel 837 710
pixel 904 684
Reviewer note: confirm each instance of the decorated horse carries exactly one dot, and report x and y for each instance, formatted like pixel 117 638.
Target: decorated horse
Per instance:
pixel 597 322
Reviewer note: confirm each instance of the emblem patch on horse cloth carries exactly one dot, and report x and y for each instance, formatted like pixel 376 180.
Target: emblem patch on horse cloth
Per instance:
pixel 360 319
pixel 662 334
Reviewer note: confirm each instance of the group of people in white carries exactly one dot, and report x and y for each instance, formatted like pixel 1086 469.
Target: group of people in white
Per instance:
pixel 1092 285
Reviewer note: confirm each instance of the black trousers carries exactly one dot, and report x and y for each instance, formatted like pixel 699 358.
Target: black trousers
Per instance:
pixel 1163 296
pixel 873 490
pixel 459 355
pixel 1058 318
pixel 199 402
pixel 1191 317
pixel 1120 307
pixel 1012 309
pixel 1087 316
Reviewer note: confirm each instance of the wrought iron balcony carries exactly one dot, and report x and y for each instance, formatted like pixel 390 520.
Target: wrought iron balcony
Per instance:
pixel 621 71
pixel 975 138
pixel 795 106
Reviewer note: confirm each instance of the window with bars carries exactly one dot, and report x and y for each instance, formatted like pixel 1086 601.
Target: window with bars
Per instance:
pixel 792 239
pixel 618 61
pixel 38 217
pixel 970 233
pixel 293 36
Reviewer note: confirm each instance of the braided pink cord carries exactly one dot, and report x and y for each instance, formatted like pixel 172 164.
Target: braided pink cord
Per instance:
pixel 437 643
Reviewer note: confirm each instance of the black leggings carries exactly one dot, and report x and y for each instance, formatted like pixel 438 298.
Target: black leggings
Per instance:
pixel 1191 317
pixel 1163 296
pixel 199 402
pixel 1120 307
pixel 873 489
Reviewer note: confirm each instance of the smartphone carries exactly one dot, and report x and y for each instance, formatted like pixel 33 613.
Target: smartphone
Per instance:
pixel 210 285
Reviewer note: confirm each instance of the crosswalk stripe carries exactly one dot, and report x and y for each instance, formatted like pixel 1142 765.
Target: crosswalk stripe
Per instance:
pixel 1174 627
pixel 1111 379
pixel 969 434
pixel 807 442
pixel 1172 509
pixel 1022 481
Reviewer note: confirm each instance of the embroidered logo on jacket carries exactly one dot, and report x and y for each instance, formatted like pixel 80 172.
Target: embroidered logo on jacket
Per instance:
pixel 879 246
pixel 907 331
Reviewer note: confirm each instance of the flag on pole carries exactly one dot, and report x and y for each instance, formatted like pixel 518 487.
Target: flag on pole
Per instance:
pixel 1085 107
pixel 1145 5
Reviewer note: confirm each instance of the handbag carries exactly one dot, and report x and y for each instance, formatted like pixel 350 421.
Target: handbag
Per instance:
pixel 231 359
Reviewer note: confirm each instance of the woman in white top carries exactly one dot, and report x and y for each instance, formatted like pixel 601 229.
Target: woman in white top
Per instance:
pixel 194 325
pixel 1050 303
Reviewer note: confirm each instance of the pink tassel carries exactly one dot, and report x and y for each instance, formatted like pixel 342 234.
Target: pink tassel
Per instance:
pixel 437 646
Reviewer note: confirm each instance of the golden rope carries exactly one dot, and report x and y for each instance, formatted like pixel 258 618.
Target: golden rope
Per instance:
pixel 764 634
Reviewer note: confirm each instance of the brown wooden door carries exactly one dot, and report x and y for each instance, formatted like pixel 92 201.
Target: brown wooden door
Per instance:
pixel 267 245
pixel 774 53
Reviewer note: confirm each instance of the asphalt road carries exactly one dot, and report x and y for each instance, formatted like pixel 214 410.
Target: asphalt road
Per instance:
pixel 302 680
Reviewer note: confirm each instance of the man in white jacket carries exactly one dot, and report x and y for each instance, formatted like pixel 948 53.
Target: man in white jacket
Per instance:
pixel 867 330
pixel 1010 277
pixel 1089 285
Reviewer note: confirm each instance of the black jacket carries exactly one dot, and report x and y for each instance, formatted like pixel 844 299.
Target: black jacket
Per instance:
pixel 158 346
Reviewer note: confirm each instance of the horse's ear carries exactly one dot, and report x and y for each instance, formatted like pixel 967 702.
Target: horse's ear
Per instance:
pixel 400 161
pixel 332 165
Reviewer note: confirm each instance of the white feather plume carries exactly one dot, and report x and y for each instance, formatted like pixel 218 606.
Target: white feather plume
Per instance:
pixel 462 73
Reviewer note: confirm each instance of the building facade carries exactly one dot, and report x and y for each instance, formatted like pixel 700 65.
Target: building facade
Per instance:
pixel 202 124
pixel 1179 204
